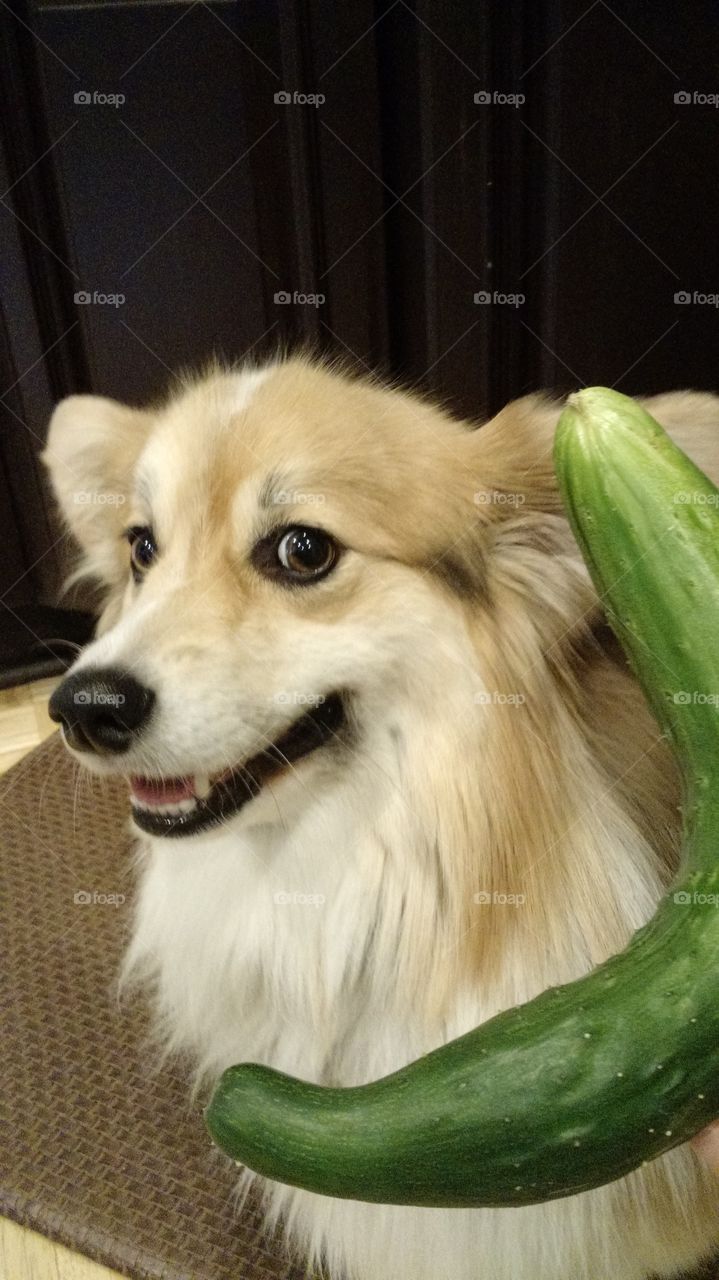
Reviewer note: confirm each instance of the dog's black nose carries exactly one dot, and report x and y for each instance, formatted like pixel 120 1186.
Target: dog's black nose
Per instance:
pixel 101 709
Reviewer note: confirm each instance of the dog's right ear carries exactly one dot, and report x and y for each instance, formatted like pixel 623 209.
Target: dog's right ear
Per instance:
pixel 92 447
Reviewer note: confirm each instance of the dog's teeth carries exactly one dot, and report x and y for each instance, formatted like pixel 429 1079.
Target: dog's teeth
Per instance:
pixel 181 806
pixel 202 786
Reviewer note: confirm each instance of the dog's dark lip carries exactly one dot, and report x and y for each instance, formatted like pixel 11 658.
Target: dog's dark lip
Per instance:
pixel 306 735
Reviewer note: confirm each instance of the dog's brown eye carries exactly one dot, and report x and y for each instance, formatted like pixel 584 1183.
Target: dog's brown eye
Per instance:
pixel 296 555
pixel 305 551
pixel 142 550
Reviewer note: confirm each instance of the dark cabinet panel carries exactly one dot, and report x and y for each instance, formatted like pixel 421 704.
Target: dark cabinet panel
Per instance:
pixel 476 199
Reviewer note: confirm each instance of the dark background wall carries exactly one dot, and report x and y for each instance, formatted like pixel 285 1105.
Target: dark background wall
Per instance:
pixel 562 153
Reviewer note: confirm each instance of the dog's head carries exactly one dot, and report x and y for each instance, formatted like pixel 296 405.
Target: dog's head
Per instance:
pixel 297 566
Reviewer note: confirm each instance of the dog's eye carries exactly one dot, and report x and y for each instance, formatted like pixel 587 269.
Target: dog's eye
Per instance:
pixel 306 551
pixel 296 555
pixel 142 550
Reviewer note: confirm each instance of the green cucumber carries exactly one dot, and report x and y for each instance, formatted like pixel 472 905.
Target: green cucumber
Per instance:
pixel 589 1080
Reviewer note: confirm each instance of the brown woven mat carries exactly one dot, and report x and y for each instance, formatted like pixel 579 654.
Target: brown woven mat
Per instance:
pixel 94 1151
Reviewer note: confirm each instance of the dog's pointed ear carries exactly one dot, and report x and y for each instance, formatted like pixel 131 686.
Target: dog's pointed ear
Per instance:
pixel 92 446
pixel 512 458
pixel 532 562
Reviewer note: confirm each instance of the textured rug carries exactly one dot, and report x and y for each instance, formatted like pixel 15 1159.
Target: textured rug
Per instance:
pixel 95 1150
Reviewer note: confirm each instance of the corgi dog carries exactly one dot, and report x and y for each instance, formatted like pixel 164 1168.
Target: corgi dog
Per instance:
pixel 388 771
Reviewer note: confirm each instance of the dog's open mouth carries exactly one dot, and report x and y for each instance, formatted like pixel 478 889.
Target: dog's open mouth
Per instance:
pixel 184 806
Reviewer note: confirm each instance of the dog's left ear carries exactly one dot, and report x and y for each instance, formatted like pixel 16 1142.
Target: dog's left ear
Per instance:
pixel 92 447
pixel 531 558
pixel 511 458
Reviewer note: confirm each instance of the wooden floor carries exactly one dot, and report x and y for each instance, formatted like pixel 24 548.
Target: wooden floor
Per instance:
pixel 23 720
pixel 25 1255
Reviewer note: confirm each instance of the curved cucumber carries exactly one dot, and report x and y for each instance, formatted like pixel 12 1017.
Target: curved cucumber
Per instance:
pixel 583 1084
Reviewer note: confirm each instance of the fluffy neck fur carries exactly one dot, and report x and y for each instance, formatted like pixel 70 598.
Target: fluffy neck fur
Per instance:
pixel 397 947
pixel 398 955
pixel 567 801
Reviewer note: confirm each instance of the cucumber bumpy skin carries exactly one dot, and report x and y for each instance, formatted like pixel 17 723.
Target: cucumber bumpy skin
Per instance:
pixel 589 1080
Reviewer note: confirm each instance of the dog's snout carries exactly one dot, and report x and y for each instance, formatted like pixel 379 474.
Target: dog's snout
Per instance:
pixel 101 709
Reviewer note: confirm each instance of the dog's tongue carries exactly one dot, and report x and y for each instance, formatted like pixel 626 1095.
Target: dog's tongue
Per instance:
pixel 162 790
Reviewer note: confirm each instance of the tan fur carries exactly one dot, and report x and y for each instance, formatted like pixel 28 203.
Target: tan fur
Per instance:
pixel 521 760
